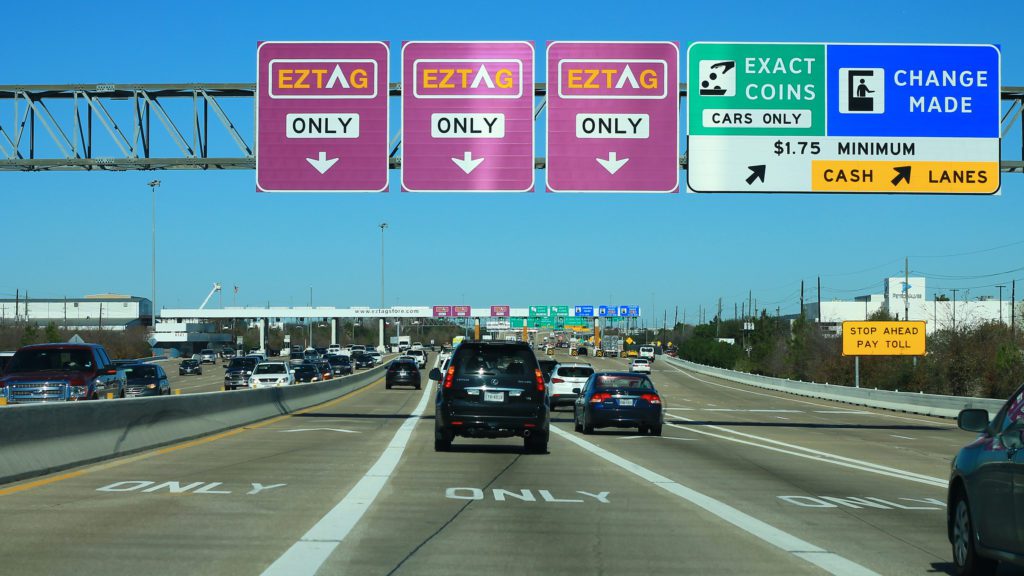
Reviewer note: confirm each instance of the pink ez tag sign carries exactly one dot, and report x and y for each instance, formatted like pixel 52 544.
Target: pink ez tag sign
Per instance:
pixel 613 117
pixel 322 117
pixel 467 117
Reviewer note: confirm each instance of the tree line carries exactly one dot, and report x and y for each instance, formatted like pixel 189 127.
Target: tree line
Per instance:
pixel 981 359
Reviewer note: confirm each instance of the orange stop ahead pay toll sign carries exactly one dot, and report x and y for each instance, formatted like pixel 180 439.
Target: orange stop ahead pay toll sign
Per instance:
pixel 884 338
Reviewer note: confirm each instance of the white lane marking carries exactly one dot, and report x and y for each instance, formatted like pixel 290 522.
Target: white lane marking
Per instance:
pixel 758 410
pixel 903 437
pixel 660 437
pixel 782 418
pixel 828 561
pixel 842 412
pixel 817 455
pixel 315 429
pixel 880 414
pixel 307 555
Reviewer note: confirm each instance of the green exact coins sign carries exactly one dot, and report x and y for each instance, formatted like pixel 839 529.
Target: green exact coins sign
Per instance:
pixel 756 89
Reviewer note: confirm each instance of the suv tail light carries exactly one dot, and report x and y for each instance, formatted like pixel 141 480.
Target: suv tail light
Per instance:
pixel 540 379
pixel 600 397
pixel 449 377
pixel 557 380
pixel 652 398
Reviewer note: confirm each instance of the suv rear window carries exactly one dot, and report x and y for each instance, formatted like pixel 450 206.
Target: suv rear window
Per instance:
pixel 575 371
pixel 512 364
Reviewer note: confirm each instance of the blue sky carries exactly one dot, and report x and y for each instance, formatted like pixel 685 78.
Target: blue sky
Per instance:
pixel 69 234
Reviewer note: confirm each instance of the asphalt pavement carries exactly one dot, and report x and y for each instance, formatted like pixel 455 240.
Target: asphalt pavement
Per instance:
pixel 743 481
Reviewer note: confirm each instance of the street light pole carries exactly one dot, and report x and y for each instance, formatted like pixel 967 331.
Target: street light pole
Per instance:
pixel 380 346
pixel 310 319
pixel 153 186
pixel 1001 286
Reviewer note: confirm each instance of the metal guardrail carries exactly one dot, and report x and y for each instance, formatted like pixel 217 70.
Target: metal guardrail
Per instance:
pixel 910 402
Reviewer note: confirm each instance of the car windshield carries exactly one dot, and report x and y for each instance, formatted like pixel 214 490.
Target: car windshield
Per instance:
pixel 623 381
pixel 140 372
pixel 575 371
pixel 39 360
pixel 246 363
pixel 270 369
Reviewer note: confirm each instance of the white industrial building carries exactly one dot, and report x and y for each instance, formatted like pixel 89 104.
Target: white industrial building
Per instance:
pixel 908 299
pixel 95 312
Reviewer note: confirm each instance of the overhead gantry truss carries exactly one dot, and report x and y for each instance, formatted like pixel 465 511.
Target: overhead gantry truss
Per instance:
pixel 116 127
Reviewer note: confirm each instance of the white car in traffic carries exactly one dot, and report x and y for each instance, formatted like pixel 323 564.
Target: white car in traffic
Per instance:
pixel 640 365
pixel 271 374
pixel 565 378
pixel 420 356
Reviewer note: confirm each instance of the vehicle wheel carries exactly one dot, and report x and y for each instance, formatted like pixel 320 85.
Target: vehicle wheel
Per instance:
pixel 643 430
pixel 387 386
pixel 965 558
pixel 576 423
pixel 536 443
pixel 417 386
pixel 655 430
pixel 443 440
pixel 121 393
pixel 588 427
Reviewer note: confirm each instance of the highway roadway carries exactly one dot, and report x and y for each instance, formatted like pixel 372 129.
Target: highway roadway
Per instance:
pixel 743 481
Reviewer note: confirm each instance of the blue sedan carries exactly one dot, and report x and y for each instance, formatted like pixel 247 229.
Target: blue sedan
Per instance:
pixel 619 400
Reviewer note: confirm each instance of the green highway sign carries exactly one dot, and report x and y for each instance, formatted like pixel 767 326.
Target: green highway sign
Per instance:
pixel 559 310
pixel 756 89
pixel 538 311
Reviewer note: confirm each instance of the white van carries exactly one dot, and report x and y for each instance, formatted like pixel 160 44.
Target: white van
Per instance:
pixel 647 352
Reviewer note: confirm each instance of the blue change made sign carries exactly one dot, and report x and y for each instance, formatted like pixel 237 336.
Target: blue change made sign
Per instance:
pixel 587 311
pixel 607 311
pixel 908 91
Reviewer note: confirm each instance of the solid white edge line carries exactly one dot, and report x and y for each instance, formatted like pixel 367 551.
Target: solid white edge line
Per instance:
pixel 688 374
pixel 307 555
pixel 801 549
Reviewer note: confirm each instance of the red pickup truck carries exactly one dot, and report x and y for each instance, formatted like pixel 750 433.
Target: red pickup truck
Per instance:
pixel 60 373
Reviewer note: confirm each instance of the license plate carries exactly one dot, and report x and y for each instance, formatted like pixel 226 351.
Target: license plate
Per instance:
pixel 494 396
pixel 626 401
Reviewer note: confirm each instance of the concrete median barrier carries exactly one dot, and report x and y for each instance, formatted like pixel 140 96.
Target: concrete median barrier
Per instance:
pixel 910 402
pixel 43 438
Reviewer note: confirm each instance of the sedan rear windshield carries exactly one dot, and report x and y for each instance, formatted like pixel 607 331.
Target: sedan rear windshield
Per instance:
pixel 270 369
pixel 575 371
pixel 50 359
pixel 635 382
pixel 246 363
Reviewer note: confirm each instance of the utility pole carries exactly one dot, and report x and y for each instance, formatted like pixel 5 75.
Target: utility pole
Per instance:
pixel 675 321
pixel 750 303
pixel 954 309
pixel 718 319
pixel 819 299
pixel 1013 308
pixel 801 298
pixel 906 288
pixel 1000 286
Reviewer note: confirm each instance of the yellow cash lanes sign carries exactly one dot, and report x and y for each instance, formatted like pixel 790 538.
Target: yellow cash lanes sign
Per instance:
pixel 884 338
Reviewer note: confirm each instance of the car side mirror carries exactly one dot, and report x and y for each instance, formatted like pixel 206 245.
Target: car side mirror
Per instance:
pixel 435 374
pixel 577 391
pixel 973 420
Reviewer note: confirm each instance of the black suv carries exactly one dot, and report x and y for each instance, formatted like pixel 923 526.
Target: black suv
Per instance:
pixel 492 390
